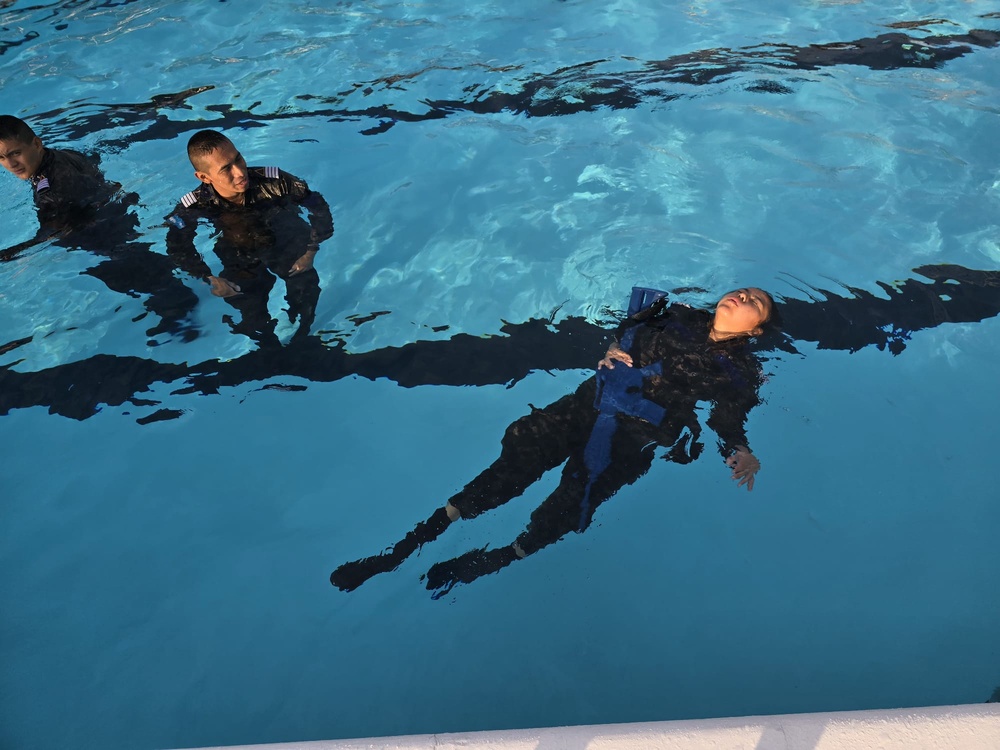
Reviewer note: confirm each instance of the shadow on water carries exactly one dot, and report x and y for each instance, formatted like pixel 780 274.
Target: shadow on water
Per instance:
pixel 620 83
pixel 832 320
pixel 605 435
pixel 847 322
pixel 602 448
pixel 107 229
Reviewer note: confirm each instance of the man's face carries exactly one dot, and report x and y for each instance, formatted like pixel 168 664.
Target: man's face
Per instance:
pixel 224 169
pixel 21 159
pixel 742 311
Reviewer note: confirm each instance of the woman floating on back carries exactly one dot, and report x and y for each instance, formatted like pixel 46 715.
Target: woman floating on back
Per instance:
pixel 665 359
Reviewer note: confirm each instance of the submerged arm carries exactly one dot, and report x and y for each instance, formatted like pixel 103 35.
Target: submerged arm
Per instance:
pixel 320 219
pixel 745 466
pixel 12 252
pixel 181 227
pixel 728 418
pixel 615 351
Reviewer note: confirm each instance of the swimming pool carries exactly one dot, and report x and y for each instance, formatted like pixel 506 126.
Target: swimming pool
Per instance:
pixel 172 512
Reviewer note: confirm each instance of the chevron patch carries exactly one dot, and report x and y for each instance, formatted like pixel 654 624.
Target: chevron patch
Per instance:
pixel 271 173
pixel 43 184
pixel 189 200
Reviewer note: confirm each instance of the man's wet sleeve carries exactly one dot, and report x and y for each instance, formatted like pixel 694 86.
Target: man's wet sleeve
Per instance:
pixel 181 227
pixel 320 217
pixel 68 199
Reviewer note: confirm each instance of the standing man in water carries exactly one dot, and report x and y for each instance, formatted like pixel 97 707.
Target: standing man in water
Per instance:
pixel 79 209
pixel 255 211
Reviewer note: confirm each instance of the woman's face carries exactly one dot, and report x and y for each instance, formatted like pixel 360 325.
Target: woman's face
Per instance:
pixel 743 311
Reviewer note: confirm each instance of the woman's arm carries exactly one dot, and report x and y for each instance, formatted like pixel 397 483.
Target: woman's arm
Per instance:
pixel 728 418
pixel 744 465
pixel 615 354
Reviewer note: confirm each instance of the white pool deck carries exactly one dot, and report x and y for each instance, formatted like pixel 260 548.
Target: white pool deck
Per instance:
pixel 968 727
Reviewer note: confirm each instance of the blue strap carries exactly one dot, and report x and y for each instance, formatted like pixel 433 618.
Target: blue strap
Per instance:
pixel 596 457
pixel 619 391
pixel 643 297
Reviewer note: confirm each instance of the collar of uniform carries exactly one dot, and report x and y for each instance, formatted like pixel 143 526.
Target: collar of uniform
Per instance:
pixel 218 200
pixel 43 168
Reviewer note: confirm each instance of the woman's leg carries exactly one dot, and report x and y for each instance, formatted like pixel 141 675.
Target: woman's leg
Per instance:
pixel 584 486
pixel 531 446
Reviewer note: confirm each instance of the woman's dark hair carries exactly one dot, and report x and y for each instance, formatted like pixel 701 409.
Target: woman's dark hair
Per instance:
pixel 774 319
pixel 771 337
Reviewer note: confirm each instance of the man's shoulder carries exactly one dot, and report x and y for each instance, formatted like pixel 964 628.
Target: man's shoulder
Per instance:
pixel 64 160
pixel 200 197
pixel 69 156
pixel 267 173
pixel 275 182
pixel 65 173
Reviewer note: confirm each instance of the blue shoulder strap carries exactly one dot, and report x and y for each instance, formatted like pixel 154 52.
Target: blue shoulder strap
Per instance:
pixel 643 297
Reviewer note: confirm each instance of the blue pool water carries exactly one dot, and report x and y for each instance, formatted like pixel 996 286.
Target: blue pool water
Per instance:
pixel 172 510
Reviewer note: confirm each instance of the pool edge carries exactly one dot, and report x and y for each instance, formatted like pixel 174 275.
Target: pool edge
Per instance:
pixel 962 727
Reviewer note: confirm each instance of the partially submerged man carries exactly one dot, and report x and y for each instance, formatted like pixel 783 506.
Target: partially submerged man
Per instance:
pixel 261 235
pixel 62 181
pixel 79 209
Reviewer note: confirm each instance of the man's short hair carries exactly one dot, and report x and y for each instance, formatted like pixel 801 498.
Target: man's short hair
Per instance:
pixel 203 143
pixel 15 129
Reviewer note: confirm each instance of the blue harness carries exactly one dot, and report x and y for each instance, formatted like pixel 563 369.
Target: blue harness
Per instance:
pixel 619 391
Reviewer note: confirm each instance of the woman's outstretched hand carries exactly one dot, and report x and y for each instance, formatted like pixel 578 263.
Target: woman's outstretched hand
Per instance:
pixel 615 354
pixel 744 465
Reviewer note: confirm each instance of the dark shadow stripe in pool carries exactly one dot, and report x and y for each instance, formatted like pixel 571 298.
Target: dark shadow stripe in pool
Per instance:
pixel 78 390
pixel 585 87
